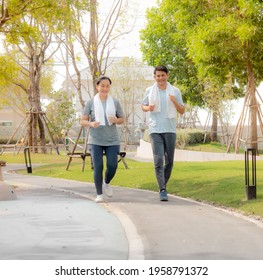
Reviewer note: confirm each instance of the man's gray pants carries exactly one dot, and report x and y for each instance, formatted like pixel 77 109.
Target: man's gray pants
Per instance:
pixel 163 146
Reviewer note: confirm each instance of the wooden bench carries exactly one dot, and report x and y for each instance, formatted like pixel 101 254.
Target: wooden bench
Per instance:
pixel 87 154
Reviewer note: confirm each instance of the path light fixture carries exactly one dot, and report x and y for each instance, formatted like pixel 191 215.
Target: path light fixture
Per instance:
pixel 28 160
pixel 250 173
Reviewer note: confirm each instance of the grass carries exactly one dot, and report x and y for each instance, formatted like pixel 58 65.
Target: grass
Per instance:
pixel 219 183
pixel 211 147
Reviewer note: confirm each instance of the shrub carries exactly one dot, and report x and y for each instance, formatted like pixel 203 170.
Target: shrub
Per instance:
pixel 3 141
pixel 185 137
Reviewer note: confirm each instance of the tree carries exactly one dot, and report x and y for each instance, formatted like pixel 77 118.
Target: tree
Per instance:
pixel 162 42
pixel 212 95
pixel 220 38
pixel 14 95
pixel 34 54
pixel 12 11
pixel 31 35
pixel 61 114
pixel 8 70
pixel 99 40
pixel 129 85
pixel 13 8
pixel 229 40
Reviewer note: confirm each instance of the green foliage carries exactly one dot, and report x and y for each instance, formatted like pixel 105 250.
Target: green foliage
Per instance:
pixel 210 147
pixel 15 82
pixel 226 38
pixel 186 137
pixel 163 43
pixel 54 14
pixel 8 70
pixel 61 114
pixel 3 141
pixel 10 95
pixel 201 39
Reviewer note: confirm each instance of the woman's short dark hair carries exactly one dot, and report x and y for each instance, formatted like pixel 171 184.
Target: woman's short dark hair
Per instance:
pixel 101 78
pixel 161 68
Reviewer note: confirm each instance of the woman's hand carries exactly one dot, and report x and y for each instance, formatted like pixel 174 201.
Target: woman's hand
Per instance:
pixel 94 124
pixel 112 120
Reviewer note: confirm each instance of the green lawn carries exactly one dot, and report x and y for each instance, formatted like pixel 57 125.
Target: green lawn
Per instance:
pixel 221 183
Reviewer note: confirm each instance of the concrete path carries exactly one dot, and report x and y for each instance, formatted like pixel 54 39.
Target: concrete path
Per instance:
pixel 57 219
pixel 144 153
pixel 46 222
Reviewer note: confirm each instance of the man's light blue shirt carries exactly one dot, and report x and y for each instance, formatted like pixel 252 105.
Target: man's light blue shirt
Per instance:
pixel 158 121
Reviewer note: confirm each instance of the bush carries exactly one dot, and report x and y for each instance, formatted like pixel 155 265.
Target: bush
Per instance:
pixel 146 136
pixel 4 141
pixel 185 137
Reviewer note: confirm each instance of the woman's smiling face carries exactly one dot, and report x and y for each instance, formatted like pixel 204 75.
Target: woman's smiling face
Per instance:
pixel 103 87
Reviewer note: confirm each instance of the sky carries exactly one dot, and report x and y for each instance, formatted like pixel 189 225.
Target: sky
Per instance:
pixel 126 46
pixel 130 44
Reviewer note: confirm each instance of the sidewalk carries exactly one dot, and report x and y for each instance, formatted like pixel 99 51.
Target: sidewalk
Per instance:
pixel 49 222
pixel 58 219
pixel 144 152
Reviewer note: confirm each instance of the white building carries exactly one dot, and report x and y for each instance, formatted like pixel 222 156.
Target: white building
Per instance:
pixel 130 78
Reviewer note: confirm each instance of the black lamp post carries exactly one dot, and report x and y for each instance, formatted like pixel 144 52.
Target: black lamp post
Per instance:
pixel 28 160
pixel 250 173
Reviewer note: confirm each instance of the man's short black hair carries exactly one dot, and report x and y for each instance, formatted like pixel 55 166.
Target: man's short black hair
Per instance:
pixel 161 68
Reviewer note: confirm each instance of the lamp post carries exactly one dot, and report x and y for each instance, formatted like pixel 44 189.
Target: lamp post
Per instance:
pixel 250 173
pixel 28 160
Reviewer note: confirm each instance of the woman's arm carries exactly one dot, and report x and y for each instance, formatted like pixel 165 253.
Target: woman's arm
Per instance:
pixel 84 121
pixel 116 120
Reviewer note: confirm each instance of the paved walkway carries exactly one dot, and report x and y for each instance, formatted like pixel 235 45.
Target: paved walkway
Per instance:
pixel 57 219
pixel 144 152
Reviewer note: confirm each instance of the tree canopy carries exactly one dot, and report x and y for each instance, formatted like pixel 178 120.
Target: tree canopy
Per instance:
pixel 205 38
pixel 213 39
pixel 163 43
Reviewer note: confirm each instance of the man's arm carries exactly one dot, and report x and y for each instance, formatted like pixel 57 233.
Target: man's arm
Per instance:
pixel 179 107
pixel 148 108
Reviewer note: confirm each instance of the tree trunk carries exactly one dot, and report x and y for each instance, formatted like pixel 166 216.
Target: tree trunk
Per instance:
pixel 253 108
pixel 42 135
pixel 70 48
pixel 35 124
pixel 93 44
pixel 214 127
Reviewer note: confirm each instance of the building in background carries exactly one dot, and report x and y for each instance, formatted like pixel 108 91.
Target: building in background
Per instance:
pixel 10 120
pixel 130 78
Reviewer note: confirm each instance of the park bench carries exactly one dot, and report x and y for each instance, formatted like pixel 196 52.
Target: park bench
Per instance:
pixel 87 154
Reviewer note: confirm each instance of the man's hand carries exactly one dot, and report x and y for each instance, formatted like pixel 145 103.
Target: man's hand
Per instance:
pixel 151 107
